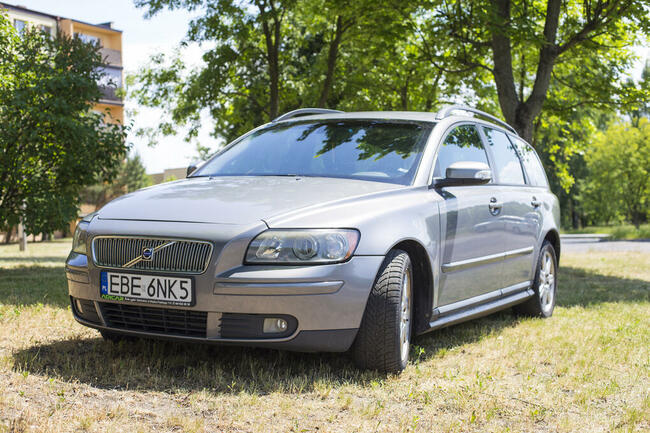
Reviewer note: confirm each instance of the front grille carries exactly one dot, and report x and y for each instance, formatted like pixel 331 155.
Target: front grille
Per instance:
pixel 170 255
pixel 169 321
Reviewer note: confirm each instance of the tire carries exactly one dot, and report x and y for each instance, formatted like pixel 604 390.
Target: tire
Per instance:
pixel 542 303
pixel 383 341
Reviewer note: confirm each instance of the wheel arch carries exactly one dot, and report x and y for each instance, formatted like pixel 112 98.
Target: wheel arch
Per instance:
pixel 423 279
pixel 554 238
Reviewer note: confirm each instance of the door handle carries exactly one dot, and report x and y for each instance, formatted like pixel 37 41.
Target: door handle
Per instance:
pixel 495 206
pixel 535 202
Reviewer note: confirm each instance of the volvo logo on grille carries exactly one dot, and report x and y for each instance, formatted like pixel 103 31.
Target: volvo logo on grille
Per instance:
pixel 147 254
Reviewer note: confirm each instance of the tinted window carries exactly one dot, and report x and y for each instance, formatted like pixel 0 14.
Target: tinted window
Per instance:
pixel 462 144
pixel 534 168
pixel 371 150
pixel 507 165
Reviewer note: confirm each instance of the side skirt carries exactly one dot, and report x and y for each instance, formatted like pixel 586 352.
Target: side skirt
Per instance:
pixel 482 305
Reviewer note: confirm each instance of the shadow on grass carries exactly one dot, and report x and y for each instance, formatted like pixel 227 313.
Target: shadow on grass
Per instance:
pixel 580 287
pixel 169 366
pixel 28 285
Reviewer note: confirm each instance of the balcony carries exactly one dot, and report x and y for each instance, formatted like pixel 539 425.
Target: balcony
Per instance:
pixel 109 93
pixel 111 57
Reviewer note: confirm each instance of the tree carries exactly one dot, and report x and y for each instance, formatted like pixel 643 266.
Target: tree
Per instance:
pixel 641 107
pixel 51 142
pixel 132 176
pixel 618 184
pixel 330 54
pixel 243 68
pixel 520 43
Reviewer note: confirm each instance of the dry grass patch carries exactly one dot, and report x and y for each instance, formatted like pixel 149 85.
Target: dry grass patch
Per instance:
pixel 585 369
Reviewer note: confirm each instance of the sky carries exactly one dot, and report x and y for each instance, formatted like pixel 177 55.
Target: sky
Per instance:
pixel 140 39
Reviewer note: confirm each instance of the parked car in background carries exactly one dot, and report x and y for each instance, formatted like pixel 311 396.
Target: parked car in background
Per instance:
pixel 328 231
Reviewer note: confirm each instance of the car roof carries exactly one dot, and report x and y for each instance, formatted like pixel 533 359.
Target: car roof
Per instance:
pixel 417 116
pixel 392 115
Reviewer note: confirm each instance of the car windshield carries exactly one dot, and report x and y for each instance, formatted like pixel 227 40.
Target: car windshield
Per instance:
pixel 378 150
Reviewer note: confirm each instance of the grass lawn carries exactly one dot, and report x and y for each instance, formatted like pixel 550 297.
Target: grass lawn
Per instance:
pixel 623 231
pixel 585 369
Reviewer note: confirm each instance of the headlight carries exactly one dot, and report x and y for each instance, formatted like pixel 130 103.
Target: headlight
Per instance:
pixel 81 234
pixel 302 247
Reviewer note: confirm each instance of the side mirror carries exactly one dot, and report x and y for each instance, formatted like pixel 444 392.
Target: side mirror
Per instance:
pixel 465 173
pixel 191 168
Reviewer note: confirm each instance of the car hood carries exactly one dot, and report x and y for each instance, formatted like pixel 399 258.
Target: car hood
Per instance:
pixel 235 200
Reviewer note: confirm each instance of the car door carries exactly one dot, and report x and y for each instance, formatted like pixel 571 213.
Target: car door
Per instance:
pixel 471 247
pixel 519 217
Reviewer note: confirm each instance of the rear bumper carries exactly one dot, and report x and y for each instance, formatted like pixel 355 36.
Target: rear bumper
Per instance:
pixel 326 301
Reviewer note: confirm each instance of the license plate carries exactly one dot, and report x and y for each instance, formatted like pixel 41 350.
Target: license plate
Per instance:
pixel 157 289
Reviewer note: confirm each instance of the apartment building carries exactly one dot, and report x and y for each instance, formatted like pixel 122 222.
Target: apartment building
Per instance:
pixel 108 39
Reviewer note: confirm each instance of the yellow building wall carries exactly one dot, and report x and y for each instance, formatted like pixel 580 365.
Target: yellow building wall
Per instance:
pixel 116 112
pixel 110 39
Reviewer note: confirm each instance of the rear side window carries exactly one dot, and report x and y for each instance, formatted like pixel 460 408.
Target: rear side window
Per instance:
pixel 462 144
pixel 507 165
pixel 532 164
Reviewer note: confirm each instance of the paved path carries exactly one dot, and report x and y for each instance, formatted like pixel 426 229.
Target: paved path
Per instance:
pixel 571 246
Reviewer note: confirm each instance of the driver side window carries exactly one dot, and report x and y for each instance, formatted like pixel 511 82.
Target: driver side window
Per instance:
pixel 462 144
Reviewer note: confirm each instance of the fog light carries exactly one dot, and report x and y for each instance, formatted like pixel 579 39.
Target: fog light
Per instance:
pixel 274 325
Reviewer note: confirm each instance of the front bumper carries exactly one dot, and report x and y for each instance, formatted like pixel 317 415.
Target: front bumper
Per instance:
pixel 327 301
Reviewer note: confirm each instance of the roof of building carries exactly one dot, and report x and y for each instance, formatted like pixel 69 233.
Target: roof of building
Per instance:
pixel 105 26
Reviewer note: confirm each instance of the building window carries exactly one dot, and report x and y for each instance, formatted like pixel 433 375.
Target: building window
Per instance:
pixel 109 82
pixel 46 29
pixel 88 38
pixel 20 25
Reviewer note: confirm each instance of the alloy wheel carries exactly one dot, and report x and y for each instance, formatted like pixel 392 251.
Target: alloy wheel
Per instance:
pixel 547 282
pixel 405 316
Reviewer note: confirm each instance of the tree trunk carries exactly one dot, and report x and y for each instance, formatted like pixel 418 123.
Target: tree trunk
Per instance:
pixel 10 232
pixel 332 57
pixel 272 36
pixel 519 113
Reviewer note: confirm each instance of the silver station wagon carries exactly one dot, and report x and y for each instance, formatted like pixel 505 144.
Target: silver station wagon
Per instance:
pixel 328 231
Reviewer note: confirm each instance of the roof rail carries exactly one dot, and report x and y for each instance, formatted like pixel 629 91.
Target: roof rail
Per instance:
pixel 446 111
pixel 305 112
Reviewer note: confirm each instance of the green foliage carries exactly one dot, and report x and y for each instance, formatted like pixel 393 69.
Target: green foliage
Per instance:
pixel 132 176
pixel 618 184
pixel 327 53
pixel 51 141
pixel 616 231
pixel 556 69
pixel 537 50
pixel 640 91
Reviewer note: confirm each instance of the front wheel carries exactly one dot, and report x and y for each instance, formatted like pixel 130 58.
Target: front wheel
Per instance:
pixel 384 337
pixel 542 303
